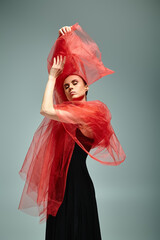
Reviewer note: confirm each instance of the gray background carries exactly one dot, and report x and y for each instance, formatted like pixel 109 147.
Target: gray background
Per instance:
pixel 127 33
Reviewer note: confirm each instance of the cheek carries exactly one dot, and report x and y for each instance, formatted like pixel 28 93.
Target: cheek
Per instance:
pixel 65 92
pixel 81 89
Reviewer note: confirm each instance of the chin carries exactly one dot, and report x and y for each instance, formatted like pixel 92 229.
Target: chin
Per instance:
pixel 77 98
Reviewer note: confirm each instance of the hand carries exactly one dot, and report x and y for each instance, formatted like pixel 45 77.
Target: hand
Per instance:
pixel 64 30
pixel 58 65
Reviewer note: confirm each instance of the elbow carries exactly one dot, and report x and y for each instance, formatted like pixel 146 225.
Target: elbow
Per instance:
pixel 48 112
pixel 42 111
pixel 51 114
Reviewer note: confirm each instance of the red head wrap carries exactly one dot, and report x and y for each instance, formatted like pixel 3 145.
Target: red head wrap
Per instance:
pixel 83 58
pixel 46 163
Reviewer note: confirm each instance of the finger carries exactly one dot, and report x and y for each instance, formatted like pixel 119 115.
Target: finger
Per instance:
pixel 60 59
pixel 64 29
pixel 68 29
pixel 61 31
pixel 57 60
pixel 54 61
pixel 62 63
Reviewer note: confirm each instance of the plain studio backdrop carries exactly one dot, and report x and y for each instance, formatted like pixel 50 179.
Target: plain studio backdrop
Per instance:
pixel 127 33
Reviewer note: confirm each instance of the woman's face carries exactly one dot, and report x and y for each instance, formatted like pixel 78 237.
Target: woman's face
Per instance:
pixel 75 88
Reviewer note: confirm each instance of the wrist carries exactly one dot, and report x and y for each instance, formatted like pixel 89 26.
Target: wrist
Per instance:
pixel 51 77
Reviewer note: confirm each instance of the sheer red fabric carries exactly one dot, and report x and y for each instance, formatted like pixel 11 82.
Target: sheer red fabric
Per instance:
pixel 46 163
pixel 83 58
pixel 45 168
pixel 95 117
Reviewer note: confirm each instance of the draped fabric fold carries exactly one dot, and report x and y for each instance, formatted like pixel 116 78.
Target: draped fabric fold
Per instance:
pixel 83 58
pixel 45 166
pixel 96 118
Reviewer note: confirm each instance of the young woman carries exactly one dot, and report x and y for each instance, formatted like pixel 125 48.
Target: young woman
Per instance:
pixel 58 185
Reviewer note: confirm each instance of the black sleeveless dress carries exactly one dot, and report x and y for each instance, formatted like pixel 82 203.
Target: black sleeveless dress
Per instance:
pixel 77 217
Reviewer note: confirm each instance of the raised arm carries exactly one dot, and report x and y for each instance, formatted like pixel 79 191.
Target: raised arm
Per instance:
pixel 47 108
pixel 62 114
pixel 58 112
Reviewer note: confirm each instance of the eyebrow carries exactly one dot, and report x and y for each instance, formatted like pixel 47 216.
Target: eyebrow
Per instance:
pixel 71 81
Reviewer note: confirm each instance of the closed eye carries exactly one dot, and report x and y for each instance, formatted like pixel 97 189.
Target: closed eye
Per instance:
pixel 66 86
pixel 74 82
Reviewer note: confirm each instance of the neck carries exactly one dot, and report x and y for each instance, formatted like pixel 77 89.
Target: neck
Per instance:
pixel 82 99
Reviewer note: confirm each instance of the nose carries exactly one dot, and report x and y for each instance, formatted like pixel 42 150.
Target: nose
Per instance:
pixel 70 88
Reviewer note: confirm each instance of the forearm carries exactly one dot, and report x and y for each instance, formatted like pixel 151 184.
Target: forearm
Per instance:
pixel 47 102
pixel 47 107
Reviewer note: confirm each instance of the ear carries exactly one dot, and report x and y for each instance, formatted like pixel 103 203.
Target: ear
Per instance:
pixel 86 87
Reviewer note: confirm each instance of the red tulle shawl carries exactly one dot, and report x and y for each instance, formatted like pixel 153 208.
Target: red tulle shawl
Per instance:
pixel 47 160
pixel 46 164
